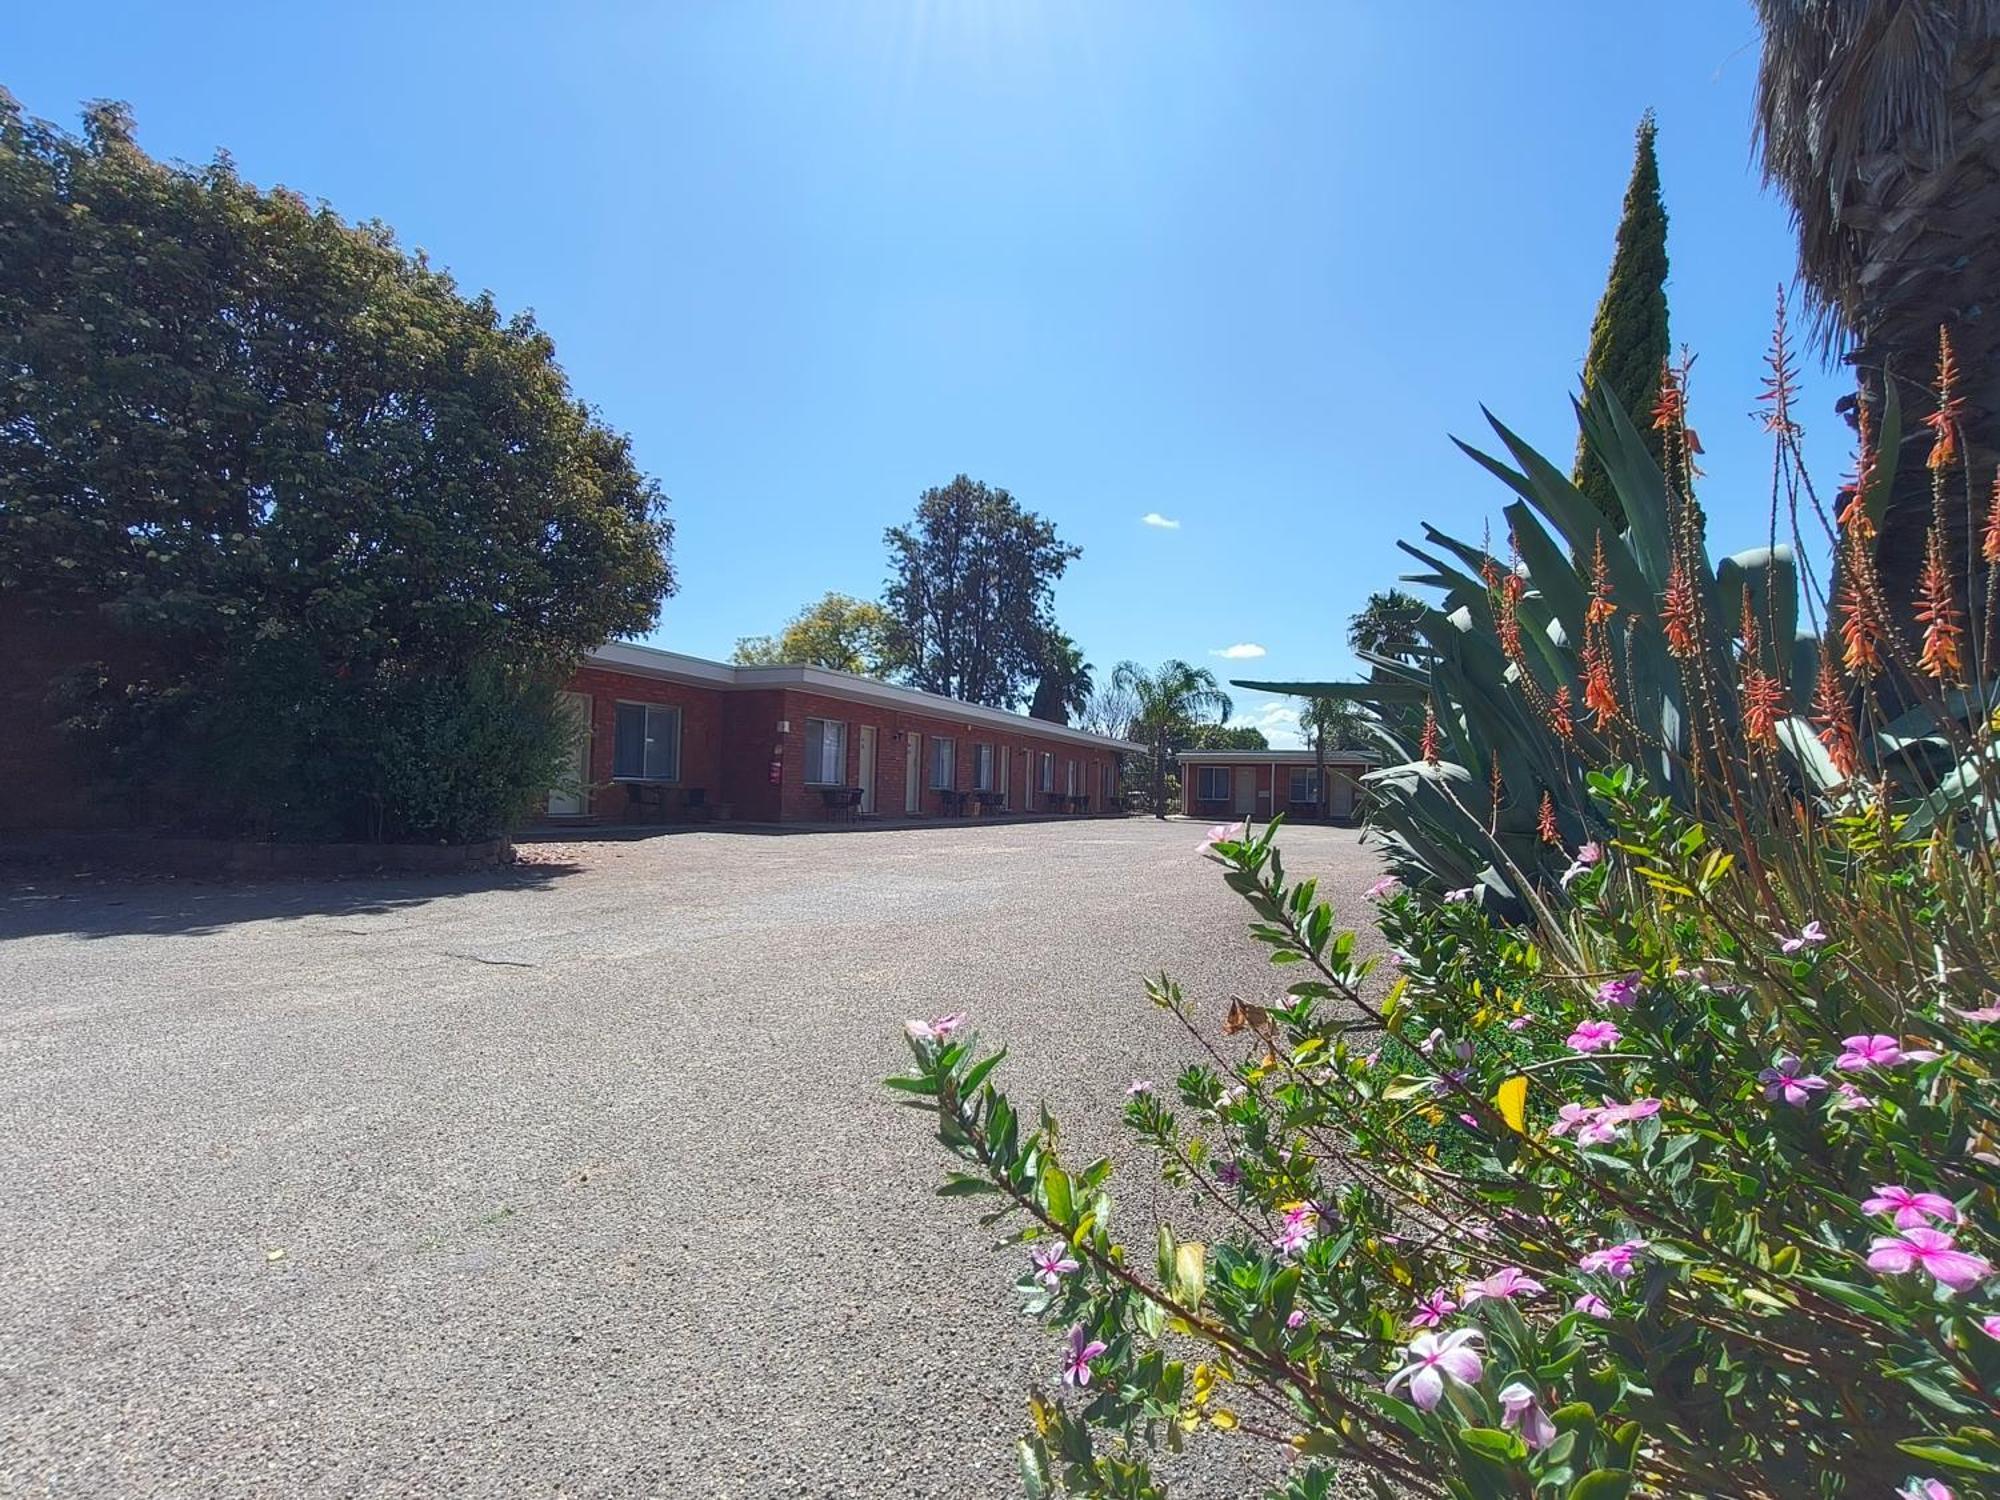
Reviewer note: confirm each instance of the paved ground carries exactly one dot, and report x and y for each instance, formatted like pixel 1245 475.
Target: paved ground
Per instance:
pixel 573 1183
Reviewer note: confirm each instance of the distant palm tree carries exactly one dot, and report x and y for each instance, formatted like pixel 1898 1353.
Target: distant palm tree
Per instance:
pixel 1171 702
pixel 1880 122
pixel 1063 688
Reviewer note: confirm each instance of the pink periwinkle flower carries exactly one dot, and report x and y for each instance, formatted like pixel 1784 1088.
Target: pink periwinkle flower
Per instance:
pixel 1990 1325
pixel 1052 1264
pixel 1433 1310
pixel 938 1030
pixel 1592 1306
pixel 1594 1036
pixel 1297 1319
pixel 1876 1050
pixel 1520 1409
pixel 1384 888
pixel 1139 1086
pixel 1785 1080
pixel 1910 1207
pixel 1520 1023
pixel 1614 1260
pixel 1811 936
pixel 1932 1252
pixel 1461 895
pixel 1847 1096
pixel 1985 1014
pixel 1434 1357
pixel 1221 833
pixel 1587 857
pixel 1301 1225
pixel 1506 1283
pixel 1573 1117
pixel 1622 992
pixel 1429 1044
pixel 1925 1489
pixel 1077 1357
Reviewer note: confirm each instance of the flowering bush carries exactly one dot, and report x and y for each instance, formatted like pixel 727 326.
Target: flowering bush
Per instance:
pixel 1688 1187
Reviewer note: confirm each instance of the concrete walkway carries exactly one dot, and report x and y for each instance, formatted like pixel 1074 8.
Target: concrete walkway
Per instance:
pixel 572 1182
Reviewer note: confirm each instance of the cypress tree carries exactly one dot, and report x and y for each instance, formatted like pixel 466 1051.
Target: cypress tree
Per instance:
pixel 1628 337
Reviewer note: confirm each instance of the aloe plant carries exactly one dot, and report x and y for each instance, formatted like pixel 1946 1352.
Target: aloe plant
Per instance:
pixel 1586 641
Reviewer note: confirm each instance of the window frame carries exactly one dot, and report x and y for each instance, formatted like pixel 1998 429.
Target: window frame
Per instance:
pixel 1045 771
pixel 647 740
pixel 1311 775
pixel 817 751
pixel 950 746
pixel 1203 781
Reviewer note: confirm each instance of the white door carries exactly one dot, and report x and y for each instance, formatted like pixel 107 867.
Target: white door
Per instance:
pixel 1246 791
pixel 568 801
pixel 913 766
pixel 1006 775
pixel 868 768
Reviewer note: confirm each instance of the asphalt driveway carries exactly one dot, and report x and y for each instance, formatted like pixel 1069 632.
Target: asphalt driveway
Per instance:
pixel 576 1182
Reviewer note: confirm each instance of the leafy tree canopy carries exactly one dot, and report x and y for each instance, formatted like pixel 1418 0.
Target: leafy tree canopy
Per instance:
pixel 1169 706
pixel 1227 737
pixel 969 591
pixel 839 632
pixel 230 414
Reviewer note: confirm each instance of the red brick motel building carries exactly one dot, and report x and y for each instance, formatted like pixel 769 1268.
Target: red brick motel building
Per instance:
pixel 672 737
pixel 1228 784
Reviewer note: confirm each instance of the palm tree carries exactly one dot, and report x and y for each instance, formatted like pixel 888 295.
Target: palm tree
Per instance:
pixel 1171 702
pixel 1331 724
pixel 1063 688
pixel 1880 121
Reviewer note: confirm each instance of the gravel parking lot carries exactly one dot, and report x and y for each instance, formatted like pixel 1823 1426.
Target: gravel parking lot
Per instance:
pixel 573 1182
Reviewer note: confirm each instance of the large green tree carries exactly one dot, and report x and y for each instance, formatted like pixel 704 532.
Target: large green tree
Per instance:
pixel 276 453
pixel 1332 724
pixel 1063 681
pixel 970 584
pixel 1628 337
pixel 839 632
pixel 1879 120
pixel 1170 705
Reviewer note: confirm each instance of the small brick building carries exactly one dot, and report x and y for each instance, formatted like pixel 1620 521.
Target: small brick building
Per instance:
pixel 675 736
pixel 1257 783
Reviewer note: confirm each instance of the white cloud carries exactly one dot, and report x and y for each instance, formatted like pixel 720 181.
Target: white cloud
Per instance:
pixel 1154 518
pixel 1241 651
pixel 1278 718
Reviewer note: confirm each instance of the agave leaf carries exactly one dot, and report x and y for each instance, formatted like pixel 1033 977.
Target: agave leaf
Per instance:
pixel 1641 488
pixel 1771 576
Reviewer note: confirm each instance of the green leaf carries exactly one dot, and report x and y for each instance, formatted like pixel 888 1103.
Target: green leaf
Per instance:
pixel 1055 1190
pixel 1931 1450
pixel 963 1185
pixel 1602 1484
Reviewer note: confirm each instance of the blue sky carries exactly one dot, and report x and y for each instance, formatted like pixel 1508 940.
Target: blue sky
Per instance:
pixel 1244 268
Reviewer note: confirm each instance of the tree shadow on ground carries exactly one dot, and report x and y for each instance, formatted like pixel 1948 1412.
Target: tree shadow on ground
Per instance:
pixel 86 905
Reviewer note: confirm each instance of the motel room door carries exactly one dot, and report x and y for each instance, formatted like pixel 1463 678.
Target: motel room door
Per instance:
pixel 868 769
pixel 567 801
pixel 913 770
pixel 1246 791
pixel 1006 775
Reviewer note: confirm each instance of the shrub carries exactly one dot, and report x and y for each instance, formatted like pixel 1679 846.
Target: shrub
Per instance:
pixel 1714 1212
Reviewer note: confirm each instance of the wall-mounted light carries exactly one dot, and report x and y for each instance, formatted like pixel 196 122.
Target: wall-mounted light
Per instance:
pixel 784 726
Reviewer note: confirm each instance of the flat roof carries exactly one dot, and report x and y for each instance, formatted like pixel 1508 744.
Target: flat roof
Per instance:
pixel 1278 757
pixel 672 666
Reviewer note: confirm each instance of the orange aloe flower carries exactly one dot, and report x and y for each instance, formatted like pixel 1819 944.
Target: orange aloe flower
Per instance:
pixel 1763 706
pixel 1560 720
pixel 1989 547
pixel 1834 721
pixel 1545 822
pixel 1937 612
pixel 1781 385
pixel 1427 747
pixel 1860 630
pixel 1944 422
pixel 1670 406
pixel 1601 608
pixel 1678 614
pixel 1600 693
pixel 1853 519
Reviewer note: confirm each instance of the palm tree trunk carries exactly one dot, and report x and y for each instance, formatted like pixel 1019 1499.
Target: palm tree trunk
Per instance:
pixel 1160 777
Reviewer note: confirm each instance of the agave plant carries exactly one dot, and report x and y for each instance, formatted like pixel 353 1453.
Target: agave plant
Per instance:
pixel 1587 644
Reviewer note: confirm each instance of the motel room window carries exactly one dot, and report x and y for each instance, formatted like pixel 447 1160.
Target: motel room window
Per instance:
pixel 1305 786
pixel 982 768
pixel 826 752
pixel 646 744
pixel 1069 779
pixel 1211 784
pixel 944 757
pixel 1045 773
